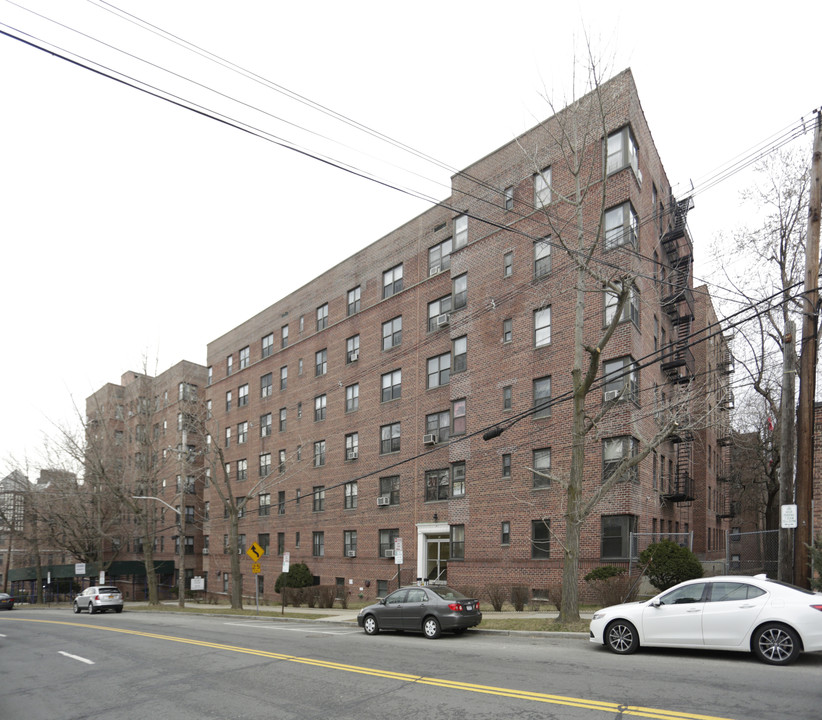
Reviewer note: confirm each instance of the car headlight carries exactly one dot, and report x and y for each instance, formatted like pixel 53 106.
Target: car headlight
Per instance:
pixel 598 615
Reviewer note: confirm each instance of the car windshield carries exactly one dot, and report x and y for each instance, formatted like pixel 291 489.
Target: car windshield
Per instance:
pixel 447 593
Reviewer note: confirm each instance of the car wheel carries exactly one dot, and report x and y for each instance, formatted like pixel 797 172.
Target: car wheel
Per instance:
pixel 431 627
pixel 776 644
pixel 370 625
pixel 91 609
pixel 76 608
pixel 621 637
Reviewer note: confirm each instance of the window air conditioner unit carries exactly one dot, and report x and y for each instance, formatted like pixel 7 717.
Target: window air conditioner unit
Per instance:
pixel 351 553
pixel 443 320
pixel 429 439
pixel 434 270
pixel 355 355
pixel 611 395
pixel 389 553
pixel 205 551
pixel 353 455
pixel 384 500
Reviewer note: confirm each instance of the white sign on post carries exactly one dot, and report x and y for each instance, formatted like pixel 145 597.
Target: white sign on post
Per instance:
pixel 789 516
pixel 79 568
pixel 398 551
pixel 198 583
pixel 286 561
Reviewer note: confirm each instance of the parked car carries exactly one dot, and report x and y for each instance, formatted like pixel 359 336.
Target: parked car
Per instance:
pixel 773 620
pixel 432 609
pixel 99 598
pixel 6 601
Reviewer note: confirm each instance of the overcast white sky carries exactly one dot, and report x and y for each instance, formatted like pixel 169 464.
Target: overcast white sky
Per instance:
pixel 118 208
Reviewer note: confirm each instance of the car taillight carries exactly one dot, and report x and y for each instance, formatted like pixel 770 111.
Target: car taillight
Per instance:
pixel 456 607
pixel 817 607
pixel 476 605
pixel 96 597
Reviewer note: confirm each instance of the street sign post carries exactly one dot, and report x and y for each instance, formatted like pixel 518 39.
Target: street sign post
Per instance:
pixel 255 552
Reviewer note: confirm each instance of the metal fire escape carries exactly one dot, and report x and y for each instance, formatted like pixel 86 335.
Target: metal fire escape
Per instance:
pixel 677 357
pixel 726 506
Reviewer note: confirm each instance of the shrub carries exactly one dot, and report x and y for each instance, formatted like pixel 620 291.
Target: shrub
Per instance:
pixel 519 596
pixel 496 594
pixel 555 596
pixel 326 595
pixel 816 558
pixel 612 585
pixel 667 564
pixel 298 576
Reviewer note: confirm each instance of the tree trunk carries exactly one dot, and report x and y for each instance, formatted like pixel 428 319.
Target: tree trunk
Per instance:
pixel 234 549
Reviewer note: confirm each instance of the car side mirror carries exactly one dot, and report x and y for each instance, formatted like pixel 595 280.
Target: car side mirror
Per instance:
pixel 656 602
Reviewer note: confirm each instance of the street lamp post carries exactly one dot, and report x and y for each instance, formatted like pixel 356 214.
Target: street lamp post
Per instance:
pixel 181 579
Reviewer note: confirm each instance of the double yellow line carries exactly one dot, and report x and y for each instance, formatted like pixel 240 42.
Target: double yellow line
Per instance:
pixel 608 707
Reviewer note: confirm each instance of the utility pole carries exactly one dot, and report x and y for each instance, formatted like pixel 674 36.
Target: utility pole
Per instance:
pixel 807 370
pixel 787 445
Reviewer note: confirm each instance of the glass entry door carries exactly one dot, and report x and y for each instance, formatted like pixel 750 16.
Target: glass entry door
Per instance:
pixel 438 550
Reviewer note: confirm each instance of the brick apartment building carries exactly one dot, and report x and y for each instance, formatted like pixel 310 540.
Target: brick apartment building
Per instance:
pixel 351 412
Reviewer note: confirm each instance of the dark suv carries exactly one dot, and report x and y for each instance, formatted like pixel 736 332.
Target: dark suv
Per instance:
pixel 99 598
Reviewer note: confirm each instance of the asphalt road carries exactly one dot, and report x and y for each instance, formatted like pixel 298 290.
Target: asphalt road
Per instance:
pixel 58 666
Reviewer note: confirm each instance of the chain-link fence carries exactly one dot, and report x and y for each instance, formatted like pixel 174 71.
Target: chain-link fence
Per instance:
pixel 751 553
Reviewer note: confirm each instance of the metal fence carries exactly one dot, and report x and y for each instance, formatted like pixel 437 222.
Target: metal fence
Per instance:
pixel 751 553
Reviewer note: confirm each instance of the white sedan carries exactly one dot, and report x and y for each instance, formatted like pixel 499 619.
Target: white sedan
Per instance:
pixel 772 619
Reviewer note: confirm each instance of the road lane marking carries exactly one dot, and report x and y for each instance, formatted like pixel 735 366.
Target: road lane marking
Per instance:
pixel 76 657
pixel 603 706
pixel 293 628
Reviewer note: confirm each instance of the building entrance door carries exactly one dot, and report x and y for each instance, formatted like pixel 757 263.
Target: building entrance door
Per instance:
pixel 438 549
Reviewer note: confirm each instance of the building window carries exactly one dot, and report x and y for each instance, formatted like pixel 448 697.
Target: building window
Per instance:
pixel 354 300
pixel 540 538
pixel 352 446
pixel 392 333
pixel 284 377
pixel 542 327
pixel 437 485
pixel 281 461
pixel 438 313
pixel 350 495
pixel 390 488
pixel 621 226
pixel 265 425
pixel 228 400
pixel 621 151
pixel 542 188
pixel 457 542
pixel 507 397
pixel 458 413
pixel 229 364
pixel 458 479
pixel 506 465
pixel 459 347
pixel 264 541
pixel 391 386
pixel 438 425
pixel 265 464
pixel 319 407
pixel 322 317
pixel 350 543
pixel 392 281
pixel 542 468
pixel 616 536
pixel 266 385
pixel 242 470
pixel 242 395
pixel 228 437
pixel 284 336
pixel 245 357
pixel 265 503
pixel 210 375
pixel 439 370
pixel 280 543
pixel 508 198
pixel 460 231
pixel 242 433
pixel 281 502
pixel 321 362
pixel 318 503
pixel 542 397
pixel 459 291
pixel 614 451
pixel 319 453
pixel 297 539
pixel 507 330
pixel 439 257
pixel 352 397
pixel 508 264
pixel 630 310
pixel 318 544
pixel 352 349
pixel 283 422
pixel 620 379
pixel 505 533
pixel 390 438
pixel 387 538
pixel 299 366
pixel 542 258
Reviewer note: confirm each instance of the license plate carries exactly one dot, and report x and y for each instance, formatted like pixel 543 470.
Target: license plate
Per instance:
pixel 111 597
pixel 469 607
